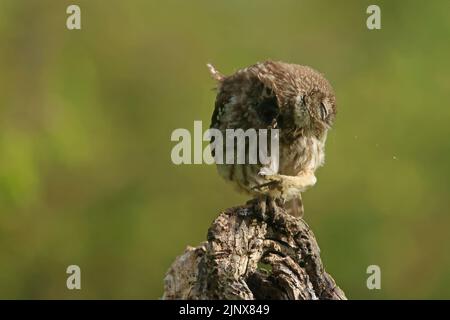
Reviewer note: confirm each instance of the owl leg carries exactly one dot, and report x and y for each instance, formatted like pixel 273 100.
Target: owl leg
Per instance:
pixel 265 205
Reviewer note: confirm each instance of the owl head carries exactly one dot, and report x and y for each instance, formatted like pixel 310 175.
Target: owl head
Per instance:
pixel 286 95
pixel 305 99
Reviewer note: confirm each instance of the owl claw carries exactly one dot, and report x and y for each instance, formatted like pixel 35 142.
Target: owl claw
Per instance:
pixel 273 182
pixel 274 179
pixel 264 187
pixel 266 206
pixel 286 185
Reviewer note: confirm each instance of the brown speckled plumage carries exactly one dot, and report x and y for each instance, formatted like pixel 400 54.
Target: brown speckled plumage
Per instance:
pixel 295 99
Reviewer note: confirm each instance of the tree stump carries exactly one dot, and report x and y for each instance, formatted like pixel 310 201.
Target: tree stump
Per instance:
pixel 253 254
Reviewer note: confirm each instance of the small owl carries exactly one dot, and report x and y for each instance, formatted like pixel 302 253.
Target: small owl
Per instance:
pixel 296 100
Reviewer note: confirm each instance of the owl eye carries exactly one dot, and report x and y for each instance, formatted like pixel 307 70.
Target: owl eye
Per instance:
pixel 323 111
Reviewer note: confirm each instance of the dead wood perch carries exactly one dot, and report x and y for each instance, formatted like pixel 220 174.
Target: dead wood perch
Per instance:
pixel 249 255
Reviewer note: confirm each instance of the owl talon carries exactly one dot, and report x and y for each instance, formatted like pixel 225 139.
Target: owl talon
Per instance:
pixel 266 186
pixel 266 206
pixel 286 186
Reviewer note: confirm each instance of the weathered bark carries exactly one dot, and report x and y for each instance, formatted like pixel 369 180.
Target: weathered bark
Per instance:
pixel 253 253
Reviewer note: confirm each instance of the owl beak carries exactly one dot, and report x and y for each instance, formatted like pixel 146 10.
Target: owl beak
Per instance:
pixel 301 101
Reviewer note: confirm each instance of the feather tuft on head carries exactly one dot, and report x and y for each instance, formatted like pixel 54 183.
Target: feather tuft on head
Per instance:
pixel 214 73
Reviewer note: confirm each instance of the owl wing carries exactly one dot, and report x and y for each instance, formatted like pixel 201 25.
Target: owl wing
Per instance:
pixel 244 101
pixel 219 106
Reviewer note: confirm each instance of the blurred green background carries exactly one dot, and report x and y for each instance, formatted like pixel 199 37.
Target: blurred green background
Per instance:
pixel 86 117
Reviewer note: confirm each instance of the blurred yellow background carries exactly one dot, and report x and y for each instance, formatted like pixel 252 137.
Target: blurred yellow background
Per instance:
pixel 86 117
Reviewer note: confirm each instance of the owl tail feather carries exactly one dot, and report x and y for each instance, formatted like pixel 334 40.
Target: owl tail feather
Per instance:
pixel 214 73
pixel 294 207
